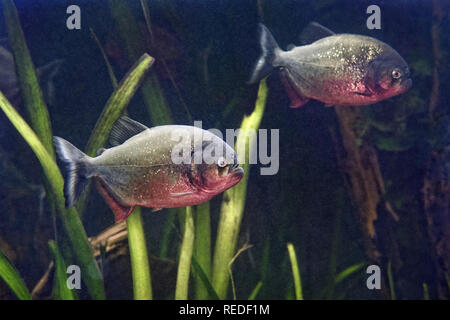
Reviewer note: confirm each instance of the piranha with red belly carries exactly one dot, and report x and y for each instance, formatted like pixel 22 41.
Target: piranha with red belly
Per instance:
pixel 139 170
pixel 337 69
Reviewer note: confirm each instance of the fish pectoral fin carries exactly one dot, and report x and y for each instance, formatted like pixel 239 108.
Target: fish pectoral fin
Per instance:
pixel 364 93
pixel 120 211
pixel 156 209
pixel 182 194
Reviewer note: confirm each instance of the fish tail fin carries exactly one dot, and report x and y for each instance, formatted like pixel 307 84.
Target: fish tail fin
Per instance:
pixel 76 173
pixel 270 51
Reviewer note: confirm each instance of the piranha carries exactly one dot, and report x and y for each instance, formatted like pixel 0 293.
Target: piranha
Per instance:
pixel 337 69
pixel 9 83
pixel 149 167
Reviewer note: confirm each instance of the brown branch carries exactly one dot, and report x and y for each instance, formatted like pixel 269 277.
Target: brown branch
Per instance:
pixel 111 245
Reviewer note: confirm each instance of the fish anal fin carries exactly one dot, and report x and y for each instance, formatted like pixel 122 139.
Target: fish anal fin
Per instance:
pixel 364 93
pixel 121 212
pixel 124 129
pixel 297 100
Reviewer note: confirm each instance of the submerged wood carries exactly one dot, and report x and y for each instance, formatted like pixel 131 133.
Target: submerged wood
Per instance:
pixel 111 249
pixel 435 190
pixel 359 163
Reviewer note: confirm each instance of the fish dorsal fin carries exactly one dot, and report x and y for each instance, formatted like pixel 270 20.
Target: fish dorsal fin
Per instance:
pixel 313 32
pixel 124 129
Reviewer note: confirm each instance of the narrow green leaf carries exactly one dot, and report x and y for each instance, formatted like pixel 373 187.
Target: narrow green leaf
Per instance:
pixel 295 272
pixel 71 220
pixel 29 84
pixel 167 230
pixel 184 265
pixel 341 276
pixel 12 278
pixel 112 76
pixel 198 271
pixel 202 247
pixel 139 258
pixel 391 281
pixel 234 199
pixel 60 289
pixel 255 291
pixel 426 294
pixel 134 45
pixel 117 103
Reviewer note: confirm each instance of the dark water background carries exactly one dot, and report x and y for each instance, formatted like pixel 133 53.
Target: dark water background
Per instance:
pixel 307 199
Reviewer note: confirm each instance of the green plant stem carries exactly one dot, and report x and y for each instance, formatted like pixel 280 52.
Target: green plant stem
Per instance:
pixel 31 91
pixel 112 76
pixel 255 291
pixel 295 272
pixel 202 247
pixel 139 258
pixel 117 103
pixel 71 220
pixel 184 265
pixel 426 294
pixel 60 289
pixel 134 45
pixel 167 230
pixel 12 278
pixel 234 199
pixel 391 281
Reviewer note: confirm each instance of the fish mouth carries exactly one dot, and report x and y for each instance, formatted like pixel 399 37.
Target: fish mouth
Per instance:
pixel 236 173
pixel 406 84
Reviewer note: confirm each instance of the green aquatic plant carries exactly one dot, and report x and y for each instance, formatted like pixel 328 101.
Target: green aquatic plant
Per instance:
pixel 134 46
pixel 111 112
pixel 116 106
pixel 140 268
pixel 38 114
pixel 295 272
pixel 391 281
pixel 31 91
pixel 11 276
pixel 117 103
pixel 255 291
pixel 234 199
pixel 186 251
pixel 60 289
pixel 69 216
pixel 202 248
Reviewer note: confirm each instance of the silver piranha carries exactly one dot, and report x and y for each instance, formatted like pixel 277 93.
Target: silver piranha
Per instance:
pixel 149 167
pixel 337 69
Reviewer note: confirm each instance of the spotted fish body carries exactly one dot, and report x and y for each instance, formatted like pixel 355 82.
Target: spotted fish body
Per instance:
pixel 338 69
pixel 140 170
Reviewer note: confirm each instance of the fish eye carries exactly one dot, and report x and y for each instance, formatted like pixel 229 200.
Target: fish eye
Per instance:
pixel 221 162
pixel 396 74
